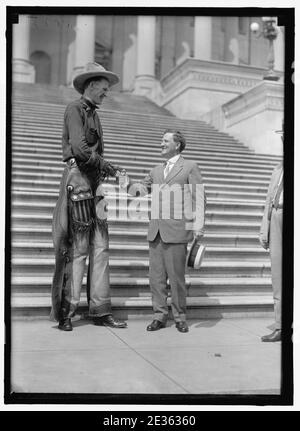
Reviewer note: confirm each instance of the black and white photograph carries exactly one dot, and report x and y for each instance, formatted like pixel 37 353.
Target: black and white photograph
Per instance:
pixel 149 177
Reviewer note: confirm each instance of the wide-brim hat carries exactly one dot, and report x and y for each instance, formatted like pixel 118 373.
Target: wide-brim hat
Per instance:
pixel 93 70
pixel 195 254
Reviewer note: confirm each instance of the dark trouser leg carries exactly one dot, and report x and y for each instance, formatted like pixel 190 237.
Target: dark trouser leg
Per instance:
pixel 175 257
pixel 79 252
pixel 100 301
pixel 276 262
pixel 158 280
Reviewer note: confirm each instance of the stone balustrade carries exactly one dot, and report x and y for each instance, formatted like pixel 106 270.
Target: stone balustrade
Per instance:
pixel 253 116
pixel 195 87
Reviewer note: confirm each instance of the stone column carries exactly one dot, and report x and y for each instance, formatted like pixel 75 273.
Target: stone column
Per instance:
pixel 145 71
pixel 23 70
pixel 84 42
pixel 231 45
pixel 203 37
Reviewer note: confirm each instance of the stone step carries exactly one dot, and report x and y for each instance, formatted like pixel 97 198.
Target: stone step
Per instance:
pixel 117 236
pixel 59 97
pixel 137 166
pixel 239 193
pixel 37 250
pixel 152 131
pixel 126 201
pixel 53 176
pixel 20 219
pixel 210 189
pixel 20 142
pixel 134 211
pixel 134 307
pixel 136 155
pixel 127 160
pixel 107 116
pixel 201 152
pixel 126 129
pixel 198 130
pixel 51 112
pixel 140 267
pixel 131 286
pixel 35 173
pixel 46 182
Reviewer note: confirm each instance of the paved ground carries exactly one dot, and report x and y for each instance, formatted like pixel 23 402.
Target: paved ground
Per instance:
pixel 215 357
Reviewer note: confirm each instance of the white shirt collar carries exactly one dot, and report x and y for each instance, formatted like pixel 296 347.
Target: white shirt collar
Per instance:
pixel 173 159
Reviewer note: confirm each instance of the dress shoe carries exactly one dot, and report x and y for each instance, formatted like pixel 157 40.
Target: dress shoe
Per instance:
pixel 65 325
pixel 271 338
pixel 156 325
pixel 109 321
pixel 182 326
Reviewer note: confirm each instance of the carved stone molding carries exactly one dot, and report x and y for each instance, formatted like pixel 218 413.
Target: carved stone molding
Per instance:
pixel 191 77
pixel 216 81
pixel 224 79
pixel 214 72
pixel 266 96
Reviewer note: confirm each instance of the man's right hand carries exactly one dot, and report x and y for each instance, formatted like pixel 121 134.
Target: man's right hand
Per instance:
pixel 198 235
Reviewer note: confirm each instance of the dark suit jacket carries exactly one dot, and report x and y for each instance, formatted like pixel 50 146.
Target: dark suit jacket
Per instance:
pixel 178 202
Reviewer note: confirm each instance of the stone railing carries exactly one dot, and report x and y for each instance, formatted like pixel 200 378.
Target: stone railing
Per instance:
pixel 195 87
pixel 253 116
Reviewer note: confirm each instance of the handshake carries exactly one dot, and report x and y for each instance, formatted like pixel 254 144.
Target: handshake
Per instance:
pixel 122 178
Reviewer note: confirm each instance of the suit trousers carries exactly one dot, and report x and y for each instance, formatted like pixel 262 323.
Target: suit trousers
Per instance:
pixel 94 245
pixel 276 262
pixel 167 261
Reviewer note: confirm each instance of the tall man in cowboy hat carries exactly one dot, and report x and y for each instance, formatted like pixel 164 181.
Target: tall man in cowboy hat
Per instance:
pixel 177 215
pixel 271 238
pixel 79 220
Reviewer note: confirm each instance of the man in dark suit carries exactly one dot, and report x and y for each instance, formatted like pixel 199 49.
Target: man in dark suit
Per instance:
pixel 271 238
pixel 177 215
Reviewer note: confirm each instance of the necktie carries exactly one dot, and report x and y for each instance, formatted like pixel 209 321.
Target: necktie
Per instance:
pixel 167 169
pixel 278 191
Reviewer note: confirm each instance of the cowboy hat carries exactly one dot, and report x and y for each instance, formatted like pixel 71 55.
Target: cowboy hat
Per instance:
pixel 93 70
pixel 196 254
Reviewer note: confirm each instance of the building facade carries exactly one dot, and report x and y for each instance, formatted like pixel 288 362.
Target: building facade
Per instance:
pixel 57 46
pixel 173 60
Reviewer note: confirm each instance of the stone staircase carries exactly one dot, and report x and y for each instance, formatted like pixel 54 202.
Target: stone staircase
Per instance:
pixel 117 101
pixel 235 276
